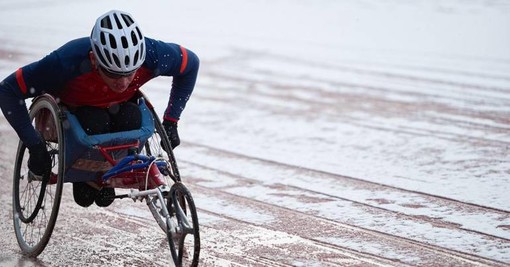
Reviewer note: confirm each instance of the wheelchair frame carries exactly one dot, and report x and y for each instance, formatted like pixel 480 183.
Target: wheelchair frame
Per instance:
pixel 36 199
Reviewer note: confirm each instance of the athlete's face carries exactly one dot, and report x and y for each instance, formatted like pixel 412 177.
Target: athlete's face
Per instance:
pixel 117 83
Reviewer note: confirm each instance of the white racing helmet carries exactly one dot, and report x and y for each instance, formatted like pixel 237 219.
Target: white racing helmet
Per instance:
pixel 117 43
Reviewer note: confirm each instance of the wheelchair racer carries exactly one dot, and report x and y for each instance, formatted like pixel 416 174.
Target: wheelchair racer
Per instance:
pixel 97 78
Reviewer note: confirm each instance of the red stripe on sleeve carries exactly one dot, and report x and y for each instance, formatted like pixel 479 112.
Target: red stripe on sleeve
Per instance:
pixel 21 81
pixel 184 59
pixel 168 118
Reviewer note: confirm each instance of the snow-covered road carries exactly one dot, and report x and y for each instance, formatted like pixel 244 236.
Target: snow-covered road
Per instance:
pixel 320 133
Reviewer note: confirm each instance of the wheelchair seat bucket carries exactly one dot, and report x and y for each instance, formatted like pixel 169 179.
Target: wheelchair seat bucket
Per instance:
pixel 84 162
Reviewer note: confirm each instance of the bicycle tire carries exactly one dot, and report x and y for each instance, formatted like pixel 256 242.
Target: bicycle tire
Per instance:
pixel 188 250
pixel 33 235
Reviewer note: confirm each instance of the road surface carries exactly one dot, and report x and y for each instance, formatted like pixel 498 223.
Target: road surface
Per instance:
pixel 362 158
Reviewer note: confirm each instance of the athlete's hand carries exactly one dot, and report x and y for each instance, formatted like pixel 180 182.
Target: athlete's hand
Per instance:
pixel 171 132
pixel 39 161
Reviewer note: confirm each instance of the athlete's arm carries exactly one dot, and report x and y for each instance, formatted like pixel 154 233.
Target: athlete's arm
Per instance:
pixel 169 59
pixel 29 81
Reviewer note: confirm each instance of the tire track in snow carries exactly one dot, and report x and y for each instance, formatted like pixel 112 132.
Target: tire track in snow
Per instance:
pixel 431 121
pixel 390 247
pixel 428 218
pixel 290 85
pixel 331 254
pixel 251 56
pixel 429 69
pixel 421 219
pixel 432 103
pixel 230 155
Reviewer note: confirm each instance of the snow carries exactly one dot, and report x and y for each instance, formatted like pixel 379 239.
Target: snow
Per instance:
pixel 264 61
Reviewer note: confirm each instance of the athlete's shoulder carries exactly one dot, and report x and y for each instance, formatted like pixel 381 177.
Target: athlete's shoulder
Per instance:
pixel 77 48
pixel 155 47
pixel 79 43
pixel 74 56
pixel 168 58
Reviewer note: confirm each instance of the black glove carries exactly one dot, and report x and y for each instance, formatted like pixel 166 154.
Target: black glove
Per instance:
pixel 39 161
pixel 171 132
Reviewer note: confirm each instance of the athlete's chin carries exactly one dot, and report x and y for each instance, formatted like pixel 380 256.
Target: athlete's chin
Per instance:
pixel 118 90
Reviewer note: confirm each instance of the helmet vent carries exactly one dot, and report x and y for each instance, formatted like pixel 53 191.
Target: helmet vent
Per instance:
pixel 133 38
pixel 103 39
pixel 136 58
pixel 142 51
pixel 116 60
pixel 113 43
pixel 106 23
pixel 107 56
pixel 98 53
pixel 119 25
pixel 139 33
pixel 127 19
pixel 124 41
pixel 126 60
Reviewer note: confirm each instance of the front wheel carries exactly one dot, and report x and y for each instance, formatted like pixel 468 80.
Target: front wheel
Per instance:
pixel 184 241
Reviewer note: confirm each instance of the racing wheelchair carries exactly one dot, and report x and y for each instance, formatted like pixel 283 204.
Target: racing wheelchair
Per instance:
pixel 139 161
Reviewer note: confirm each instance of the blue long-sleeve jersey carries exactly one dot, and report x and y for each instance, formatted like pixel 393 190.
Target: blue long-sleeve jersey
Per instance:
pixel 67 73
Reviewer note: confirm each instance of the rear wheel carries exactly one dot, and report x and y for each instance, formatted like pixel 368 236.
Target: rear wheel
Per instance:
pixel 36 200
